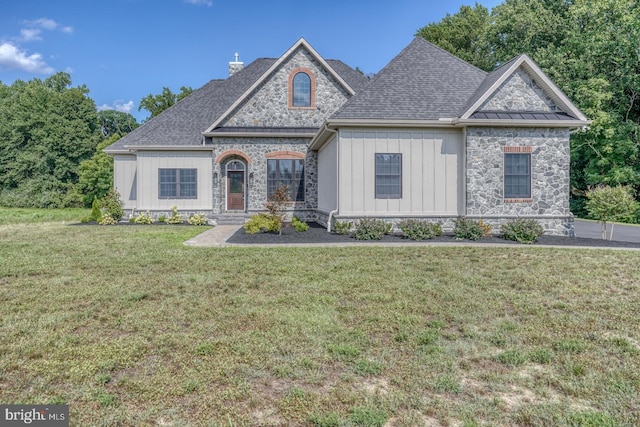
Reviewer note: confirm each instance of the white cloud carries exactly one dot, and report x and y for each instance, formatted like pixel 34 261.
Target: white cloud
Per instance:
pixel 118 105
pixel 29 34
pixel 45 24
pixel 13 58
pixel 200 2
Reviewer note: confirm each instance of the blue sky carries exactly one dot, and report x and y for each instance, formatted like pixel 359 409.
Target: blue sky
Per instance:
pixel 123 50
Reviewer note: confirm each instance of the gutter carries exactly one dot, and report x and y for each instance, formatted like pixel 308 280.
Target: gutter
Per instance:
pixel 335 211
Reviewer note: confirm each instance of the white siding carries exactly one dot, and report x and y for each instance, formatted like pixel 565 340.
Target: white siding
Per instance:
pixel 150 162
pixel 124 179
pixel 432 172
pixel 328 176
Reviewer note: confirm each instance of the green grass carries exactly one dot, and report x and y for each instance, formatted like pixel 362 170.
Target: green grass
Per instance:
pixel 131 327
pixel 31 216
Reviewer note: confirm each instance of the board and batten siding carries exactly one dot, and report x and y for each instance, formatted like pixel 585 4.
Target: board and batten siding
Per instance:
pixel 432 172
pixel 150 162
pixel 124 179
pixel 328 176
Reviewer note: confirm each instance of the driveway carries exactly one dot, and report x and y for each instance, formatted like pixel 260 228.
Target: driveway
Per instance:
pixel 592 229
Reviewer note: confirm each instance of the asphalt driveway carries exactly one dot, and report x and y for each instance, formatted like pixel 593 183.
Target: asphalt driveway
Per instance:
pixel 592 230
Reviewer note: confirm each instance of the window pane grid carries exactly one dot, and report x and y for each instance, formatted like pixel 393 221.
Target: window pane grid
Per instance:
pixel 178 183
pixel 287 172
pixel 301 90
pixel 388 176
pixel 517 176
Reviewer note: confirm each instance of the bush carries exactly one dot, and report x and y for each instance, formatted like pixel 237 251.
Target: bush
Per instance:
pixel 342 227
pixel 417 229
pixel 522 230
pixel 175 217
pixel 107 219
pixel 143 218
pixel 110 204
pixel 465 228
pixel 96 214
pixel 371 229
pixel 299 225
pixel 162 218
pixel 197 219
pixel 609 204
pixel 277 205
pixel 487 229
pixel 261 222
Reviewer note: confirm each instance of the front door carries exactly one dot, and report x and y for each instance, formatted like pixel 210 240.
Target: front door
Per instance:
pixel 235 190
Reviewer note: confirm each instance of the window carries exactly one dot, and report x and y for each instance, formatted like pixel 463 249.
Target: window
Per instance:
pixel 388 176
pixel 301 90
pixel 517 175
pixel 178 183
pixel 287 172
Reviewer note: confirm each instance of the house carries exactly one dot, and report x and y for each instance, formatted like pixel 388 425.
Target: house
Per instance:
pixel 430 136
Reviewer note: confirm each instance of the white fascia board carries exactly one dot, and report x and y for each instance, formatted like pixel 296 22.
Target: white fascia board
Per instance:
pixel 289 52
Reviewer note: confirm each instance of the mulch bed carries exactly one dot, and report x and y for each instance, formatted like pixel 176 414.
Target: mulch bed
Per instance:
pixel 318 234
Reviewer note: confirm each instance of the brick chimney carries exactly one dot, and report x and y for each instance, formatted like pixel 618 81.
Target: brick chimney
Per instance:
pixel 235 66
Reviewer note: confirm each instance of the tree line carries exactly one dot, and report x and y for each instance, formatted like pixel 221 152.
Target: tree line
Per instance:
pixel 590 49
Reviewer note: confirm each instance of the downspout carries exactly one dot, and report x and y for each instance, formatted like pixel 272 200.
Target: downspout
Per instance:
pixel 335 211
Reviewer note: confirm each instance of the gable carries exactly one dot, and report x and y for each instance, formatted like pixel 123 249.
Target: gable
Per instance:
pixel 268 105
pixel 519 92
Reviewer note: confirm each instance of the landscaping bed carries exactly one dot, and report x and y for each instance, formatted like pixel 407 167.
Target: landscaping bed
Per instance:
pixel 318 234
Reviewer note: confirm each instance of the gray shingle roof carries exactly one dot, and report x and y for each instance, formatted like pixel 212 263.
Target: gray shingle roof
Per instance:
pixel 424 82
pixel 184 122
pixel 520 115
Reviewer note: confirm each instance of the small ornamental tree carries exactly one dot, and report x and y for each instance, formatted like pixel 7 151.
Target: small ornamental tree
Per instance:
pixel 277 205
pixel 609 204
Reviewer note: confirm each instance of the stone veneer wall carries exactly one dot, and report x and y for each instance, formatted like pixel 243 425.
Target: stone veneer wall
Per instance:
pixel 256 149
pixel 267 106
pixel 549 176
pixel 519 93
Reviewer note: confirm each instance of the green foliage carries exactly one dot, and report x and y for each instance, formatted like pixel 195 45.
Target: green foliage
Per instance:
pixel 465 228
pixel 512 358
pixel 522 230
pixel 107 219
pixel 276 205
pixel 325 419
pixel 417 229
pixel 570 345
pixel 366 367
pixel 300 226
pixel 162 218
pixel 111 205
pixel 95 175
pixel 261 222
pixel 175 217
pixel 609 204
pixel 368 416
pixel 143 218
pixel 47 128
pixel 197 219
pixel 342 227
pixel 371 229
pixel 156 104
pixel 591 419
pixel 112 122
pixel 96 214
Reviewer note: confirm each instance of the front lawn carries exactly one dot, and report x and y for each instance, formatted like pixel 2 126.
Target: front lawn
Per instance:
pixel 131 327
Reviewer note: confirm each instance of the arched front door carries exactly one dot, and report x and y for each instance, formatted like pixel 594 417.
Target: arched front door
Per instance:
pixel 235 186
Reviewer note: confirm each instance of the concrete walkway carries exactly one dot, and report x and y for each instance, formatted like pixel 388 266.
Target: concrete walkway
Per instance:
pixel 216 236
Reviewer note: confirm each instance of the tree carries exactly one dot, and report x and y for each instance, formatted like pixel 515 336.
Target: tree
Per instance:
pixel 112 122
pixel 609 204
pixel 96 173
pixel 156 104
pixel 463 34
pixel 46 129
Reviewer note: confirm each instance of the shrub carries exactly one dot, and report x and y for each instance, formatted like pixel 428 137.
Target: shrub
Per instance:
pixel 417 229
pixel 371 229
pixel 175 217
pixel 107 219
pixel 487 229
pixel 299 226
pixel 465 228
pixel 162 218
pixel 608 204
pixel 522 230
pixel 277 204
pixel 96 214
pixel 197 219
pixel 261 222
pixel 342 227
pixel 143 218
pixel 110 204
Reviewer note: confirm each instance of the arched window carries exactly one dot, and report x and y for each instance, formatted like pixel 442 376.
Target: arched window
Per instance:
pixel 301 90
